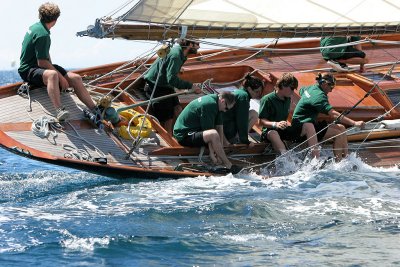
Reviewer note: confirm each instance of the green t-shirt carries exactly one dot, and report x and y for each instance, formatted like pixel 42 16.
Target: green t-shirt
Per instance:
pixel 312 102
pixel 273 108
pixel 36 45
pixel 236 119
pixel 337 52
pixel 201 114
pixel 169 73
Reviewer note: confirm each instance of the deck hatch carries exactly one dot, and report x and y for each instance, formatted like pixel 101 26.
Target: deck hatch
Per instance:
pixel 376 77
pixel 394 95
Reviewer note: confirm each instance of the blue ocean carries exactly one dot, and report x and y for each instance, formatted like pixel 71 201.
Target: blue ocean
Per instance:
pixel 55 216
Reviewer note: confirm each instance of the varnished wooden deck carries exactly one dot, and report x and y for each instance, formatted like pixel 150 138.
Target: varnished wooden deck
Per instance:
pixel 16 120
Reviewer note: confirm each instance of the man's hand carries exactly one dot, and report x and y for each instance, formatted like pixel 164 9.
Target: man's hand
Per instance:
pixel 359 124
pixel 282 125
pixel 196 88
pixel 251 145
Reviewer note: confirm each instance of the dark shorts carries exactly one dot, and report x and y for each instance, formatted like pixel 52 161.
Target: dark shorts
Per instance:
pixel 163 110
pixel 34 76
pixel 194 139
pixel 293 132
pixel 350 52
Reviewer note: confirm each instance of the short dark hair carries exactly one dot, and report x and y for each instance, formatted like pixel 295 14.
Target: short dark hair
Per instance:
pixel 228 97
pixel 48 12
pixel 253 82
pixel 287 80
pixel 186 42
pixel 325 78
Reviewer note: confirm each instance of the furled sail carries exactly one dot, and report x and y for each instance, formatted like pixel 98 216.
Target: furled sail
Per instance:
pixel 162 19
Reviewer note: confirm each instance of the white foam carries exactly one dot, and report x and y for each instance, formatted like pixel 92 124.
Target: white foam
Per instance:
pixel 249 237
pixel 85 244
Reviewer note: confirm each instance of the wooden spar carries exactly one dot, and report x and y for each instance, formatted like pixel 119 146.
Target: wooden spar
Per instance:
pixel 156 32
pixel 144 103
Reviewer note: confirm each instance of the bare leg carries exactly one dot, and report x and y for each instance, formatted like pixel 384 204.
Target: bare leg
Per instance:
pixel 308 130
pixel 212 154
pixel 212 137
pixel 177 111
pixel 253 118
pixel 168 126
pixel 276 141
pixel 75 80
pixel 340 146
pixel 355 60
pixel 50 79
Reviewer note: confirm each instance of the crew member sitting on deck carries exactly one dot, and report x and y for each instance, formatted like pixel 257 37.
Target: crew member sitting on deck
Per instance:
pixel 166 71
pixel 239 120
pixel 339 57
pixel 200 124
pixel 314 100
pixel 274 112
pixel 37 69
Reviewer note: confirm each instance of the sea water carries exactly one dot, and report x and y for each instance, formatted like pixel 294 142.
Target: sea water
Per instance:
pixel 55 216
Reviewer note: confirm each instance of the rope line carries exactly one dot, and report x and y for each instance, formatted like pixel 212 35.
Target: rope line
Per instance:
pixel 291 151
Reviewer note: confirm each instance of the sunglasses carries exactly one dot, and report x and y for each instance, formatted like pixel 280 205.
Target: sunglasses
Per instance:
pixel 332 84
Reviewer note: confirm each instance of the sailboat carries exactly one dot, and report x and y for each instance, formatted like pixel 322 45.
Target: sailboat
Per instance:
pixel 294 28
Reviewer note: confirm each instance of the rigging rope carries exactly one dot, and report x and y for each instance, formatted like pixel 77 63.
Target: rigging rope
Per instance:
pixel 136 140
pixel 249 48
pixel 335 121
pixel 44 126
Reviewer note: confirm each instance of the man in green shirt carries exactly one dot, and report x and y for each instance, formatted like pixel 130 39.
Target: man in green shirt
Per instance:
pixel 339 57
pixel 165 73
pixel 200 124
pixel 240 119
pixel 36 67
pixel 314 100
pixel 274 113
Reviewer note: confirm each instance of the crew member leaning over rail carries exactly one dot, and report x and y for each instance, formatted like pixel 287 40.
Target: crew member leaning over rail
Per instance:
pixel 239 120
pixel 314 100
pixel 167 110
pixel 339 57
pixel 200 124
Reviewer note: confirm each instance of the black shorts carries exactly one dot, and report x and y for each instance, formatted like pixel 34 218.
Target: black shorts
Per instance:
pixel 289 134
pixel 163 110
pixel 34 75
pixel 293 133
pixel 194 139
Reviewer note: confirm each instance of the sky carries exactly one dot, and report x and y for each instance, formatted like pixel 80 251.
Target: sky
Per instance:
pixel 67 49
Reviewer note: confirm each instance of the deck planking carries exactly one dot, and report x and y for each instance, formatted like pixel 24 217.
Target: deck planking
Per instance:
pixel 13 111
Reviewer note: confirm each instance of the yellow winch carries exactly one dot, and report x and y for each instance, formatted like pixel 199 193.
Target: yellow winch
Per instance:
pixel 138 119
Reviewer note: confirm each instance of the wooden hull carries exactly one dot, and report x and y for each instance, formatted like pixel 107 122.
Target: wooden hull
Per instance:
pixel 167 159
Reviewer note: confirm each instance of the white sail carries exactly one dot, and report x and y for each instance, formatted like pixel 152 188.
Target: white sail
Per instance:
pixel 255 18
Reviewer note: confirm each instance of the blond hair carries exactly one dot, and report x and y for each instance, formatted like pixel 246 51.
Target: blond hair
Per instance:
pixel 48 12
